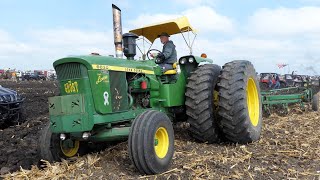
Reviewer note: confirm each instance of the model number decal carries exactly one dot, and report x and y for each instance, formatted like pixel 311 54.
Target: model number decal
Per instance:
pixel 133 70
pixel 71 87
pixel 123 69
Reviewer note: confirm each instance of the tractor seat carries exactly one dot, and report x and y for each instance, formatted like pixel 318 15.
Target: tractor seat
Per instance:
pixel 173 71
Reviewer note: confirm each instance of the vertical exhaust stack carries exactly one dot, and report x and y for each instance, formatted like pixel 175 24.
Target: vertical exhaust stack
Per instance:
pixel 117 30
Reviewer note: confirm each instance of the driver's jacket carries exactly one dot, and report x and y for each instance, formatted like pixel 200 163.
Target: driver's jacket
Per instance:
pixel 169 52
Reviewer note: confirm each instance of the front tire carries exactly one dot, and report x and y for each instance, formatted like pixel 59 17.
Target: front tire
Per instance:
pixel 200 107
pixel 151 142
pixel 53 149
pixel 240 107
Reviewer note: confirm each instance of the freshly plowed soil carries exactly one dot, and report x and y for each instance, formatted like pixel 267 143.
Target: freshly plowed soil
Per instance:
pixel 18 144
pixel 288 149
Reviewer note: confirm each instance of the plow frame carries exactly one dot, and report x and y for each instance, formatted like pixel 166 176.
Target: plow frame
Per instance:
pixel 295 95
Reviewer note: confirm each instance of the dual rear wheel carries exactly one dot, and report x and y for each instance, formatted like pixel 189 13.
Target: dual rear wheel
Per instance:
pixel 238 116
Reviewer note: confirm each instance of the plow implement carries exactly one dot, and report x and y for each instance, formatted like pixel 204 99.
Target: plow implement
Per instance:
pixel 280 99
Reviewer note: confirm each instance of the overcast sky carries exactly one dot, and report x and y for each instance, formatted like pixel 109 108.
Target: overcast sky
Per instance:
pixel 34 33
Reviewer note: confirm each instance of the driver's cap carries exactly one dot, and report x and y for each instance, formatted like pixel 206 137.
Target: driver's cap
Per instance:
pixel 164 34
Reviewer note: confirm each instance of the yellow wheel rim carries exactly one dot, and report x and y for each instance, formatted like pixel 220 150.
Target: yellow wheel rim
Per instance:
pixel 253 102
pixel 161 142
pixel 70 151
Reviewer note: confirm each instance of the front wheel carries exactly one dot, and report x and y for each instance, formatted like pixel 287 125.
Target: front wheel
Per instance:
pixel 151 142
pixel 53 149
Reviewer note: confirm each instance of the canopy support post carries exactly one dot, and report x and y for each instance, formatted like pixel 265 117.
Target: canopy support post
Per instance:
pixel 189 44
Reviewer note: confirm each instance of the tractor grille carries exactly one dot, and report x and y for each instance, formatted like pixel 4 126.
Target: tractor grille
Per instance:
pixel 71 71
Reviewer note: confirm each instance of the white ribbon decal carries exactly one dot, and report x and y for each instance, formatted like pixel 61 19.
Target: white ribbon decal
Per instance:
pixel 106 97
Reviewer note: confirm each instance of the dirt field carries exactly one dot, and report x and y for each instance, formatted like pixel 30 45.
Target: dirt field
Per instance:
pixel 289 149
pixel 18 145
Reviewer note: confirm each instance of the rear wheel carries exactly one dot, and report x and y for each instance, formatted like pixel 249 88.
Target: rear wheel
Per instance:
pixel 240 107
pixel 264 86
pixel 298 84
pixel 53 149
pixel 315 102
pixel 151 142
pixel 200 104
pixel 283 85
pixel 21 116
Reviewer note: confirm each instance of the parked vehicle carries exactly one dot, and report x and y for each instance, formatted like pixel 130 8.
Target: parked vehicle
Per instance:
pixel 33 77
pixel 264 81
pixel 294 80
pixel 10 108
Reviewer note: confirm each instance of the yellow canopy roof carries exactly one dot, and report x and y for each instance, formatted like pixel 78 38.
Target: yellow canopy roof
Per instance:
pixel 171 27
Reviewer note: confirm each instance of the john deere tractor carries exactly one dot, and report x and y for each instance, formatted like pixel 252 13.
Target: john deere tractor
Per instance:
pixel 105 98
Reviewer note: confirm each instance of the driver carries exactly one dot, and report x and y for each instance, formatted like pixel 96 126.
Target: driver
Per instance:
pixel 168 56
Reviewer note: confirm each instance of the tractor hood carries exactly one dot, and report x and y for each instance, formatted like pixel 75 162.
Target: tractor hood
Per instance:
pixel 110 63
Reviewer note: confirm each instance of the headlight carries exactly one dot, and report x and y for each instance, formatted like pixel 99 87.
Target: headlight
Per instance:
pixel 183 61
pixel 191 60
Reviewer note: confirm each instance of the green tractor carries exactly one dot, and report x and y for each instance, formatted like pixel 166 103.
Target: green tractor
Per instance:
pixel 107 99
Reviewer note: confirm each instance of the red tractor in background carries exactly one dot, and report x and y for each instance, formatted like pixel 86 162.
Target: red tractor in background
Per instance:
pixel 264 80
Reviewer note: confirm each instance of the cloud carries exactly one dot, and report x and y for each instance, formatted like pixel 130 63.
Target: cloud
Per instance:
pixel 70 37
pixel 204 18
pixel 263 53
pixel 267 37
pixel 212 23
pixel 4 36
pixel 296 31
pixel 42 47
pixel 310 1
pixel 146 19
pixel 194 2
pixel 285 21
pixel 9 46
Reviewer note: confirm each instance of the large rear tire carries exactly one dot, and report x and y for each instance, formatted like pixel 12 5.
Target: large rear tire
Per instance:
pixel 315 102
pixel 240 108
pixel 200 107
pixel 151 142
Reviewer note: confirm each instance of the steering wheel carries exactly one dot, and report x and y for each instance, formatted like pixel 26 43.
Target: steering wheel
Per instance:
pixel 149 52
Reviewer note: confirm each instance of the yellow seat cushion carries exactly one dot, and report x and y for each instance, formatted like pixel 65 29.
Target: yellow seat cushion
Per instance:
pixel 174 65
pixel 170 72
